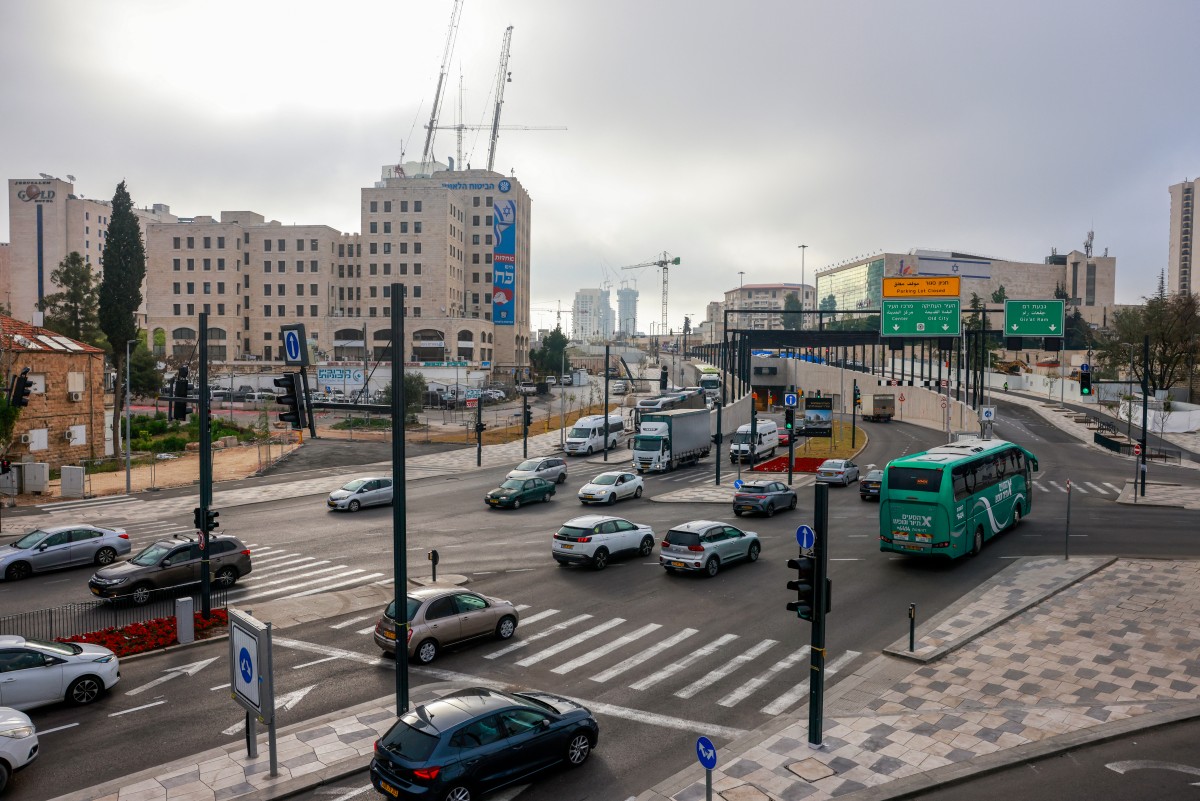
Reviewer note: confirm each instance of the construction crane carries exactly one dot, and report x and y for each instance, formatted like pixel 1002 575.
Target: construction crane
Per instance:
pixel 427 153
pixel 663 264
pixel 503 76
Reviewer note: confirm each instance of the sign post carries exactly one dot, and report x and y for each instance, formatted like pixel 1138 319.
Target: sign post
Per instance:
pixel 1137 453
pixel 251 678
pixel 706 752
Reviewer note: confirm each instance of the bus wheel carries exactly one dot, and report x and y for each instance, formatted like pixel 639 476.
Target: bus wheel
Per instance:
pixel 1016 514
pixel 977 545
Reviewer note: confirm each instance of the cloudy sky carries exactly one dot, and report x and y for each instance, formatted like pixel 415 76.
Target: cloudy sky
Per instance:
pixel 723 133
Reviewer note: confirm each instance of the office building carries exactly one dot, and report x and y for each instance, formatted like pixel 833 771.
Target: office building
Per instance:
pixel 627 300
pixel 591 315
pixel 1179 247
pixel 759 298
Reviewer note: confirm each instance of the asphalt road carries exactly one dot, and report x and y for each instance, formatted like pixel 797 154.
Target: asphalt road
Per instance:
pixel 651 712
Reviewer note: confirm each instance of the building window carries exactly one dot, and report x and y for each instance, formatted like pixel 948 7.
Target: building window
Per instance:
pixel 207 242
pixel 282 245
pixel 281 290
pixel 374 227
pixel 416 291
pixel 474 239
pixel 387 206
pixel 312 311
pixel 387 227
pixel 475 297
pixel 191 309
pixel 404 227
pixel 487 258
pixel 175 265
pixel 417 227
pixel 487 240
pixel 208 264
pixel 404 205
pixel 373 248
pixel 387 291
pixel 220 287
pixel 312 266
pixel 417 310
pixel 374 206
pixel 220 242
pixel 387 268
pixel 300 289
pixel 299 310
pixel 281 311
pixel 488 220
pixel 488 202
pixel 417 206
pixel 267 266
pixel 191 264
pixel 176 310
pixel 175 243
pixel 282 266
pixel 487 297
pixel 191 242
pixel 474 258
pixel 475 219
pixel 387 247
pixel 220 264
pixel 475 202
pixel 207 288
pixel 312 290
pixel 403 268
pixel 372 292
pixel 175 288
pixel 267 245
pixel 221 308
pixel 417 268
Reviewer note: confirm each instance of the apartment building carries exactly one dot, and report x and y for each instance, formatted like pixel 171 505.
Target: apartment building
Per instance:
pixel 1179 247
pixel 759 298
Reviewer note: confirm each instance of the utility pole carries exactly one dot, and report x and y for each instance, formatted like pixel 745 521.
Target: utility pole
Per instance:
pixel 803 316
pixel 206 470
pixel 399 508
pixel 606 357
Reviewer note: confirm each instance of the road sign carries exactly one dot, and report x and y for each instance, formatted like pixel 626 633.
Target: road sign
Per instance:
pixel 791 400
pixel 987 414
pixel 295 345
pixel 472 403
pixel 942 286
pixel 805 536
pixel 902 397
pixel 945 402
pixel 1034 318
pixel 706 752
pixel 1085 368
pixel 737 484
pixel 474 393
pixel 921 318
pixel 1137 449
pixel 249 664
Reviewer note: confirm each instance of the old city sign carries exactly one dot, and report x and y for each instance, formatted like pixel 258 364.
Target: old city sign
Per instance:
pixel 34 193
pixel 941 286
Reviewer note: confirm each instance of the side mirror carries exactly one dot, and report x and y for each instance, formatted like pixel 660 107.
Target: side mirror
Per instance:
pixel 166 563
pixel 544 723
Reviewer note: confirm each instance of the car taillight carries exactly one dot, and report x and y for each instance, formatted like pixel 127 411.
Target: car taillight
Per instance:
pixel 695 547
pixel 758 497
pixel 584 539
pixel 123 536
pixel 665 544
pixel 246 552
pixel 408 637
pixel 428 774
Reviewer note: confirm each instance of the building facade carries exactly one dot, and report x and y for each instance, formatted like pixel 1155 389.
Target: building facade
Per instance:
pixel 1179 247
pixel 591 315
pixel 627 300
pixel 759 298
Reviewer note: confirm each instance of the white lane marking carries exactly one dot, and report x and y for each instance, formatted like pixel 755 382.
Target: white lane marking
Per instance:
pixel 170 673
pixel 224 686
pixel 733 664
pixel 788 699
pixel 743 692
pixel 521 607
pixel 288 701
pixel 1100 490
pixel 351 621
pixel 135 709
pixel 644 655
pixel 346 796
pixel 687 661
pixel 1057 486
pixel 1113 488
pixel 535 637
pixel 536 617
pixel 313 648
pixel 282 558
pixel 315 662
pixel 519 570
pixel 288 580
pixel 620 642
pixel 367 630
pixel 298 566
pixel 1078 488
pixel 43 732
pixel 1040 486
pixel 327 587
pixel 235 728
pixel 583 636
pixel 846 558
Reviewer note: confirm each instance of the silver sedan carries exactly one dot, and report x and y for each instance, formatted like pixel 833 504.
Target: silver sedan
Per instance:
pixel 62 546
pixel 610 488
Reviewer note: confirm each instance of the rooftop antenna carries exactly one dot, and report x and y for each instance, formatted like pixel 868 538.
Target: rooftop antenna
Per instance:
pixel 71 178
pixel 1087 244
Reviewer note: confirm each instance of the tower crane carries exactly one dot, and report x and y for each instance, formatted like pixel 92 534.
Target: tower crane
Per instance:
pixel 427 153
pixel 663 263
pixel 503 76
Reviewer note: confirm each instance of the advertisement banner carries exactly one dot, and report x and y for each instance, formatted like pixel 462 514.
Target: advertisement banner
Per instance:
pixel 818 417
pixel 504 262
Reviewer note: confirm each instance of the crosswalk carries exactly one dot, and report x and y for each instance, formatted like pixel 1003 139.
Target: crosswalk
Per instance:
pixel 702 476
pixel 689 664
pixel 1102 489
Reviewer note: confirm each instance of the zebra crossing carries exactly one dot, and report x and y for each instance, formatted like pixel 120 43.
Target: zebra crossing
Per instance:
pixel 1102 489
pixel 706 476
pixel 691 664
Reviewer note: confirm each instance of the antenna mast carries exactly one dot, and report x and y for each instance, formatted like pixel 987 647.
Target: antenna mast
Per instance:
pixel 503 76
pixel 426 155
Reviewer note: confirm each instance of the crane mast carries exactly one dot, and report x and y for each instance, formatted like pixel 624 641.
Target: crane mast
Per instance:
pixel 664 263
pixel 427 153
pixel 503 76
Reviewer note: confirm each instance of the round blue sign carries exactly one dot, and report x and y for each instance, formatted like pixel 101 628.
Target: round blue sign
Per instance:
pixel 505 185
pixel 291 344
pixel 737 484
pixel 246 666
pixel 805 536
pixel 706 752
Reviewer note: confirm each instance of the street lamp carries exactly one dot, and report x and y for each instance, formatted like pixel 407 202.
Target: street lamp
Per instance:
pixel 802 289
pixel 128 392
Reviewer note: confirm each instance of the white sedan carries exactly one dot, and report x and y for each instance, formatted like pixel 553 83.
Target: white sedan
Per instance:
pixel 611 487
pixel 37 673
pixel 18 743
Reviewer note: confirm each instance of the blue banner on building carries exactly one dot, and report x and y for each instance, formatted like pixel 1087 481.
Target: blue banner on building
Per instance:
pixel 504 263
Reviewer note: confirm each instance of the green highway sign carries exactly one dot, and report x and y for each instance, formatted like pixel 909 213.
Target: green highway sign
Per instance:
pixel 938 317
pixel 1034 318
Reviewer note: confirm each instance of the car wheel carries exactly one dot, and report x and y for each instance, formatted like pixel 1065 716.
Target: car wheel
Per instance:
pixel 354 506
pixel 795 501
pixel 600 559
pixel 612 499
pixel 546 498
pixel 141 593
pixel 752 554
pixel 4 774
pixel 17 571
pixel 770 510
pixel 647 546
pixel 106 556
pixel 427 651
pixel 516 503
pixel 589 450
pixel 562 479
pixel 84 690
pixel 506 627
pixel 578 749
pixel 227 576
pixel 737 512
pixel 712 566
pixel 977 545
pixel 1016 514
pixel 637 493
pixel 459 792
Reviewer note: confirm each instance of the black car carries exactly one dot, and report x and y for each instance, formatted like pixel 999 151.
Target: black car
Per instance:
pixel 476 740
pixel 870 484
pixel 763 496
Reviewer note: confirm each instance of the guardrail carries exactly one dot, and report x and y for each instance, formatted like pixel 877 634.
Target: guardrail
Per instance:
pixel 72 619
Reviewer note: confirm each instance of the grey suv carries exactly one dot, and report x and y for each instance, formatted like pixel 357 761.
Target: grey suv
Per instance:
pixel 707 545
pixel 551 468
pixel 170 563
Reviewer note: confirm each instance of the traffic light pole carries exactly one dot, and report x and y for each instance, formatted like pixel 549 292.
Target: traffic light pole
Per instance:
pixel 854 416
pixel 399 348
pixel 206 470
pixel 524 426
pixel 816 678
pixel 307 401
pixel 606 357
pixel 479 431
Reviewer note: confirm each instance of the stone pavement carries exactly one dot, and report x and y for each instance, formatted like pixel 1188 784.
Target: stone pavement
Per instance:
pixel 1047 655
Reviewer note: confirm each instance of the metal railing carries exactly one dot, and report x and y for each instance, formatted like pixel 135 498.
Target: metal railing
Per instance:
pixel 73 619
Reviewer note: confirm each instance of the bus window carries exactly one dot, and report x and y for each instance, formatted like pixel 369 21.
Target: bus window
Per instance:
pixel 960 483
pixel 914 479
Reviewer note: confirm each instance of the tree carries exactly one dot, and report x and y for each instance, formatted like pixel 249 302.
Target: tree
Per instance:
pixel 1078 334
pixel 1000 295
pixel 791 303
pixel 828 303
pixel 550 358
pixel 124 263
pixel 8 421
pixel 414 394
pixel 75 311
pixel 144 375
pixel 1173 324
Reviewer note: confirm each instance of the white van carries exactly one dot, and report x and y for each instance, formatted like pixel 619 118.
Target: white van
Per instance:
pixel 594 433
pixel 767 436
pixel 617 388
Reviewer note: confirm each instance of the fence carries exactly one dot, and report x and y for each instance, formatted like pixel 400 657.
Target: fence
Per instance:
pixel 83 618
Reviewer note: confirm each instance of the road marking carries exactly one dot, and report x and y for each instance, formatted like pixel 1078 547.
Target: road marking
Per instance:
pixel 535 637
pixel 1113 488
pixel 282 558
pixel 286 580
pixel 1079 489
pixel 235 728
pixel 519 570
pixel 298 566
pixel 521 607
pixel 1058 487
pixel 341 653
pixel 743 692
pixel 644 655
pixel 1039 485
pixel 729 667
pixel 171 673
pixel 1100 490
pixel 42 732
pixel 846 558
pixel 788 699
pixel 351 621
pixel 583 636
pixel 327 587
pixel 135 709
pixel 316 662
pixel 620 642
pixel 540 615
pixel 367 630
pixel 350 793
pixel 687 661
pixel 224 686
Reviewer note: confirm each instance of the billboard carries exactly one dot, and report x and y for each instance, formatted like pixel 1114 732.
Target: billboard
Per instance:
pixel 937 265
pixel 504 262
pixel 818 417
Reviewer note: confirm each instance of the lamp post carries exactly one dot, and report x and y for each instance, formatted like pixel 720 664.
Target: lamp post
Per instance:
pixel 803 293
pixel 128 447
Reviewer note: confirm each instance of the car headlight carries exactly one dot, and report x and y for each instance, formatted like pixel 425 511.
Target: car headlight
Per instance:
pixel 104 659
pixel 109 582
pixel 19 733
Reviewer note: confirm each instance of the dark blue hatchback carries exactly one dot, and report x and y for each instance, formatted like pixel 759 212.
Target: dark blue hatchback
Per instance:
pixel 476 740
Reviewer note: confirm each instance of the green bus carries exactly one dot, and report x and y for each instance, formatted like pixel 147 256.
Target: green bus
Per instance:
pixel 949 500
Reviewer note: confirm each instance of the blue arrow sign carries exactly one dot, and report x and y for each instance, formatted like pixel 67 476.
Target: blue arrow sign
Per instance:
pixel 737 484
pixel 1085 368
pixel 246 666
pixel 805 536
pixel 706 752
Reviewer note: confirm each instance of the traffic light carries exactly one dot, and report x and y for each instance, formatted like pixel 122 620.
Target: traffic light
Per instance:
pixel 662 379
pixel 21 389
pixel 857 395
pixel 789 419
pixel 197 519
pixel 293 412
pixel 5 467
pixel 818 393
pixel 1085 384
pixel 480 428
pixel 210 521
pixel 805 586
pixel 528 417
pixel 180 390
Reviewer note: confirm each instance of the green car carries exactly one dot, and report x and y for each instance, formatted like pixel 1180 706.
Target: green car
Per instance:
pixel 516 491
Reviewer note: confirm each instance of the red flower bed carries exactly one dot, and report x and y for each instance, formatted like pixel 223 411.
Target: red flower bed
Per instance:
pixel 803 464
pixel 158 633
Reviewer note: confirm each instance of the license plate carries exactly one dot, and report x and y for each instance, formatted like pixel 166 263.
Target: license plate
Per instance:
pixel 745 507
pixel 391 635
pixel 95 591
pixel 912 547
pixel 677 564
pixel 493 501
pixel 389 789
pixel 566 547
pixel 331 503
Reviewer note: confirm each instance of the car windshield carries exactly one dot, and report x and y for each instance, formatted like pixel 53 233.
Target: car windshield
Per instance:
pixel 529 464
pixel 413 605
pixel 64 648
pixel 605 478
pixel 513 484
pixel 31 539
pixel 580 433
pixel 683 537
pixel 355 485
pixel 152 555
pixel 741 438
pixel 404 740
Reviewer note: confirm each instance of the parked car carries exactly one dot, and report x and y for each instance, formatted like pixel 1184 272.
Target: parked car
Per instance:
pixel 706 545
pixel 610 487
pixel 18 743
pixel 617 387
pixel 494 394
pixel 594 539
pixel 37 672
pixel 444 615
pixel 568 381
pixel 551 468
pixel 551 380
pixel 527 388
pixel 516 491
pixel 477 740
pixel 870 484
pixel 837 471
pixel 172 562
pixel 62 546
pixel 763 496
pixel 368 491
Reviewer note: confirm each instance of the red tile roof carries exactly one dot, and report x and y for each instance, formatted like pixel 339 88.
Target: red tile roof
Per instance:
pixel 19 335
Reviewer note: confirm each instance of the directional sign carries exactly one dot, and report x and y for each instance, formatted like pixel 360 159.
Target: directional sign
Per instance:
pixel 1034 318
pixel 249 664
pixel 172 673
pixel 791 400
pixel 738 484
pixel 474 393
pixel 295 345
pixel 805 536
pixel 1085 368
pixel 921 318
pixel 472 403
pixel 943 286
pixel 706 752
pixel 987 414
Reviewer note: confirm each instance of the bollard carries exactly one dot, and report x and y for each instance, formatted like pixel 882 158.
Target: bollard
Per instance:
pixel 185 620
pixel 912 627
pixel 432 556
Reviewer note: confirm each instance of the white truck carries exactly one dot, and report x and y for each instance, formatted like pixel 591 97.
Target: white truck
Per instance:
pixel 711 384
pixel 665 440
pixel 880 408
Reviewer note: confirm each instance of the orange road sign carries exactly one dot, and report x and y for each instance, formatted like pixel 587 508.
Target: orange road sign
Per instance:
pixel 915 286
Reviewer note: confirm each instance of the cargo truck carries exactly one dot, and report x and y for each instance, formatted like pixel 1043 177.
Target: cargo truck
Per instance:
pixel 878 408
pixel 665 440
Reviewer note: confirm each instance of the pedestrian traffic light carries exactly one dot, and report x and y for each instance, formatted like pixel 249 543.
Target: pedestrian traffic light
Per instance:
pixel 179 391
pixel 857 395
pixel 1085 384
pixel 197 519
pixel 662 379
pixel 805 586
pixel 21 389
pixel 528 417
pixel 5 467
pixel 789 419
pixel 293 412
pixel 480 428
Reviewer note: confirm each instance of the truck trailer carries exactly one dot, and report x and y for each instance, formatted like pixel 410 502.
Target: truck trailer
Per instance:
pixel 667 439
pixel 879 408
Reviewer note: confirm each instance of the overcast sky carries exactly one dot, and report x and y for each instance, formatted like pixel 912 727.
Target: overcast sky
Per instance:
pixel 723 133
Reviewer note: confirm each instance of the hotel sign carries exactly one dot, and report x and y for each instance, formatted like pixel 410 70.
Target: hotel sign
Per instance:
pixel 33 193
pixel 947 286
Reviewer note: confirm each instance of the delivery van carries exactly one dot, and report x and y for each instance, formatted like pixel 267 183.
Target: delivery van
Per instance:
pixel 766 440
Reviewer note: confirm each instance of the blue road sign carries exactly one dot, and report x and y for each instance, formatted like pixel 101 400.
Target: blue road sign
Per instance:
pixel 295 345
pixel 737 484
pixel 246 666
pixel 1085 368
pixel 791 400
pixel 706 752
pixel 805 536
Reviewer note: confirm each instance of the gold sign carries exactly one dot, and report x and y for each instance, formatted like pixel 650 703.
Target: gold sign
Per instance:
pixel 937 286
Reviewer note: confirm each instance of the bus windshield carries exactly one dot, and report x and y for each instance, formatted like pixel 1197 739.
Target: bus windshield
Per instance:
pixel 914 479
